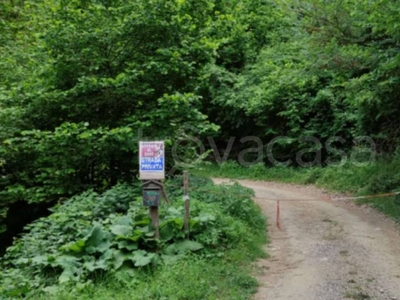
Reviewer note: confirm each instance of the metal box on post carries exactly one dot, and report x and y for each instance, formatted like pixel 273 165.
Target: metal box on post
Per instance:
pixel 151 196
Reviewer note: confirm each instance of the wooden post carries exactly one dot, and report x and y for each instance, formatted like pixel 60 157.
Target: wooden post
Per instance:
pixel 153 210
pixel 278 215
pixel 186 199
pixel 152 191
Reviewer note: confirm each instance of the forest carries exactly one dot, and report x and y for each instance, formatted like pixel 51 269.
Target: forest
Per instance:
pixel 82 81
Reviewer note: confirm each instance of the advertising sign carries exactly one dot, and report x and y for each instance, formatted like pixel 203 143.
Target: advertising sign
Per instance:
pixel 151 160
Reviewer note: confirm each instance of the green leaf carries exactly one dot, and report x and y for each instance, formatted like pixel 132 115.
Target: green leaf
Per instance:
pixel 186 246
pixel 166 233
pixel 66 276
pixel 120 257
pixel 125 274
pixel 51 290
pixel 125 220
pixel 66 261
pixel 93 265
pixel 39 260
pixel 97 240
pixel 121 230
pixel 142 258
pixel 128 245
pixel 77 247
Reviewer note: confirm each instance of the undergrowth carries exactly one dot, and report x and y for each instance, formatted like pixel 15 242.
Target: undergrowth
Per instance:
pixel 102 246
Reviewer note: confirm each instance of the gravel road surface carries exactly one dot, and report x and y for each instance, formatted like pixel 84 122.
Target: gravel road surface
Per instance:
pixel 325 250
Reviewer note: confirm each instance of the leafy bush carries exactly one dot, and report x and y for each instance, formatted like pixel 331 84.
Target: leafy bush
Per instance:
pixel 92 235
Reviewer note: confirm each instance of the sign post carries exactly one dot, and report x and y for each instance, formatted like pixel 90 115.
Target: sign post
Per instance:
pixel 151 171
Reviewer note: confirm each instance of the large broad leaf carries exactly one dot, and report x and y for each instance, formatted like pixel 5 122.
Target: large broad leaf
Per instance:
pixel 126 274
pixel 40 260
pixel 186 246
pixel 70 265
pixel 93 265
pixel 120 257
pixel 142 258
pixel 98 240
pixel 108 254
pixel 128 245
pixel 22 261
pixel 125 220
pixel 76 247
pixel 166 233
pixel 65 261
pixel 137 234
pixel 205 218
pixel 121 230
pixel 66 275
pixel 51 290
pixel 177 223
pixel 170 250
pixel 143 222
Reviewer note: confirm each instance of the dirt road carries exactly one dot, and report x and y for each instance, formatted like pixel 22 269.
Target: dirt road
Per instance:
pixel 326 250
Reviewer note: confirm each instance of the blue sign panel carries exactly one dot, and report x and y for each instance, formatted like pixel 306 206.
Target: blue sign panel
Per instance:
pixel 152 164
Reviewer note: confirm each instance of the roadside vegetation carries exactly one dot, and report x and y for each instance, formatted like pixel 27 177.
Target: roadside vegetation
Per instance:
pixel 381 176
pixel 102 246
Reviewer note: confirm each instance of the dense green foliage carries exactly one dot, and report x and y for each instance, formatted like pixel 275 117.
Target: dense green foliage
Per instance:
pixel 82 82
pixel 331 69
pixel 94 237
pixel 80 79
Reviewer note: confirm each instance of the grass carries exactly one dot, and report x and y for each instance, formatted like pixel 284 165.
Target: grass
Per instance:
pixel 347 178
pixel 379 177
pixel 257 172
